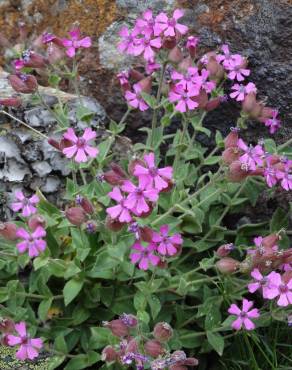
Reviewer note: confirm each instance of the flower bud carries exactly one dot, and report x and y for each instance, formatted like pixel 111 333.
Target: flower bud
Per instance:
pixel 91 227
pixel 54 143
pixel 231 139
pixel 162 264
pixel 136 75
pixel 169 42
pixel 213 104
pixel 36 221
pixel 266 113
pixel 146 84
pixel 47 38
pixel 87 205
pixel 236 172
pixel 25 84
pixel 192 43
pixel 287 276
pixel 216 71
pixel 146 233
pixel 132 346
pixel 76 215
pixel 117 327
pixel 271 240
pixel 227 265
pixel 178 367
pixel 202 99
pixel 55 54
pixel 154 348
pixel 191 361
pixel 11 102
pixel 113 225
pixel 8 231
pixel 175 55
pixel 109 354
pixel 162 331
pixel 33 60
pixel 6 325
pixel 185 64
pixel 115 176
pixel 251 106
pixel 129 320
pixel 230 155
pixel 224 250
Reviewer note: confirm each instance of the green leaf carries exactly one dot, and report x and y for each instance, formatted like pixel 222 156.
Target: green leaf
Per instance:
pixel 54 80
pixel 104 148
pixel 44 307
pixel 60 344
pixel 149 99
pixel 216 341
pixel 212 160
pixel 83 361
pixel 279 220
pixel 71 290
pixel 99 337
pixel 84 114
pixel 140 301
pixel 154 304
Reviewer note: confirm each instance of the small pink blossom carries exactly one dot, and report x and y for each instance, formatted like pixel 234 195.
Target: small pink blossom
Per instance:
pixel 151 176
pixel 144 255
pixel 183 97
pixel 148 46
pixel 227 58
pixel 252 156
pixel 27 205
pixel 189 80
pixel 270 174
pixel 206 84
pixel 285 176
pixel 192 42
pixel 75 42
pixel 129 42
pixel 240 91
pixel 29 347
pixel 278 288
pixel 139 196
pixel 120 211
pixel 152 66
pixel 273 123
pixel 134 98
pixel 146 23
pixel 123 77
pixel 166 244
pixel 32 242
pixel 80 147
pixel 169 26
pixel 260 282
pixel 244 315
pixel 236 71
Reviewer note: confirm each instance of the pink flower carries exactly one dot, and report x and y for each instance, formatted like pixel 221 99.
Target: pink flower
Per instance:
pixel 152 66
pixel 29 347
pixel 80 147
pixel 244 315
pixel 32 242
pixel 146 23
pixel 75 42
pixel 227 58
pixel 129 42
pixel 135 100
pixel 147 47
pixel 151 176
pixel 273 123
pixel 169 26
pixel 240 91
pixel 166 244
pixel 236 70
pixel 27 205
pixel 206 84
pixel 270 174
pixel 278 288
pixel 188 80
pixel 192 42
pixel 123 77
pixel 144 255
pixel 138 197
pixel 183 97
pixel 120 211
pixel 285 176
pixel 252 156
pixel 260 282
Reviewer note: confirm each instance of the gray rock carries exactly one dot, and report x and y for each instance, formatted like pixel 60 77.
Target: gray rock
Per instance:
pixel 9 149
pixel 138 6
pixel 42 168
pixel 14 171
pixel 51 185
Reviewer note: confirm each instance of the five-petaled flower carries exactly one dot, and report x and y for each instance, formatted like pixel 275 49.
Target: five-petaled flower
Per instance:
pixel 32 242
pixel 26 205
pixel 145 255
pixel 244 315
pixel 184 98
pixel 134 98
pixel 75 42
pixel 166 244
pixel 169 26
pixel 151 176
pixel 259 282
pixel 80 147
pixel 273 122
pixel 240 91
pixel 252 157
pixel 29 347
pixel 120 211
pixel 279 288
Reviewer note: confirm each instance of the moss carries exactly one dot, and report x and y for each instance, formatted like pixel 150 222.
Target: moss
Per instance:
pixel 9 362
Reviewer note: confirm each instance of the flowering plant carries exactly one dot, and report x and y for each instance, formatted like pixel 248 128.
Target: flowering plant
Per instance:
pixel 148 239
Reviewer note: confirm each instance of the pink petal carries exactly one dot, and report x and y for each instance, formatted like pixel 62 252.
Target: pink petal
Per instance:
pixel 22 246
pixel 67 43
pixel 70 52
pixel 28 210
pixel 166 172
pixel 22 233
pixel 128 186
pixel 154 259
pixel 162 17
pixel 160 183
pixel 164 229
pixel 270 293
pixel 31 352
pixel 169 32
pixel 124 32
pixel 162 249
pixel 237 324
pixel 143 264
pixel 176 239
pixel 16 206
pixel 19 195
pixel 246 305
pixel 135 257
pixel 116 194
pixel 254 313
pixel 151 194
pixel 182 29
pixel 115 211
pixel 125 216
pixel 178 13
pixel 283 300
pixel 75 33
pixel 81 156
pixel 21 354
pixel 37 343
pixel 140 170
pixel 252 287
pixel 21 328
pixel 248 324
pixel 85 42
pixel 70 151
pixel 33 251
pixel 91 151
pixel 234 310
pixel 13 340
pixel 70 135
pixel 141 206
pixel 39 232
pixel 181 106
pixel 40 245
pixel 34 199
pixel 89 134
pixel 256 274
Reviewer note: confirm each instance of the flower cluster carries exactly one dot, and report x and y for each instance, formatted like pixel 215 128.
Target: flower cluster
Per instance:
pixel 247 160
pixel 155 354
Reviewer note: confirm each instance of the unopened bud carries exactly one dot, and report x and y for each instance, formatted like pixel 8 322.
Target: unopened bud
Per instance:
pixel 36 221
pixel 231 139
pixel 87 205
pixel 216 71
pixel 146 84
pixel 192 43
pixel 175 55
pixel 76 215
pixel 213 104
pixel 54 143
pixel 236 172
pixel 271 240
pixel 33 60
pixel 169 42
pixel 129 320
pixel 162 331
pixel 224 250
pixel 136 75
pixel 154 348
pixel 230 155
pixel 8 231
pixel 227 265
pixel 117 327
pixel 6 325
pixel 109 354
pixel 11 102
pixel 185 64
pixel 91 226
pixel 25 84
pixel 146 233
pixel 113 225
pixel 115 176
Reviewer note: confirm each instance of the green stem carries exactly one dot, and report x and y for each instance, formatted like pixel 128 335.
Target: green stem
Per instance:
pixel 181 141
pixel 53 113
pixel 155 112
pixel 123 119
pixel 195 132
pixel 83 176
pixel 24 124
pixel 255 365
pixel 263 353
